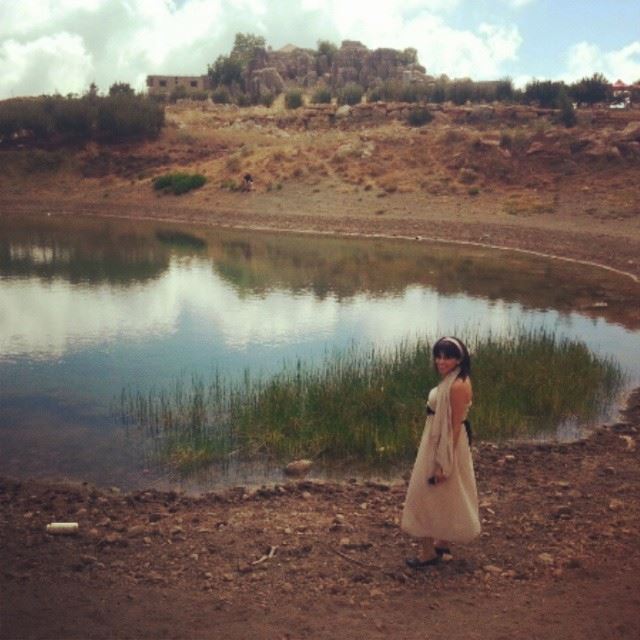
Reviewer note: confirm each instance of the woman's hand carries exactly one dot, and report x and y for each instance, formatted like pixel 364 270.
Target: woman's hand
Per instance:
pixel 437 477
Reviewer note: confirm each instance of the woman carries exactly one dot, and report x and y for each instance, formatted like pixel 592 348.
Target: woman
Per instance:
pixel 442 500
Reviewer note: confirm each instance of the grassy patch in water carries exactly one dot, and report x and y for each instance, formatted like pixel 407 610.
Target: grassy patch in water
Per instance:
pixel 369 406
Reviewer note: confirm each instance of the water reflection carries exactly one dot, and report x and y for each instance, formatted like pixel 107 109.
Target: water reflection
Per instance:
pixel 89 307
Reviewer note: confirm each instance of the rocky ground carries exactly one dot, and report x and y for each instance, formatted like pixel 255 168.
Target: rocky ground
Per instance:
pixel 557 558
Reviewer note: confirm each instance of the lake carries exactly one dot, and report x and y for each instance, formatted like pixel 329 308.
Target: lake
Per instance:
pixel 91 307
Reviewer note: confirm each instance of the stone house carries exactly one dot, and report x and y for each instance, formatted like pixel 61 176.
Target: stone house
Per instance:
pixel 165 85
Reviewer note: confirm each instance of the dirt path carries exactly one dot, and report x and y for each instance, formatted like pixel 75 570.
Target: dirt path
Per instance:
pixel 558 556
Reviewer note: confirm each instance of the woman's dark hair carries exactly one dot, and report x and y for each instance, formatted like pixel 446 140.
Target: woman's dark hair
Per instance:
pixel 451 347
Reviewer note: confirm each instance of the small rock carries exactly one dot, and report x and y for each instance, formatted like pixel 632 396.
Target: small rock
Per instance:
pixel 563 511
pixel 492 569
pixel 616 505
pixel 87 559
pixel 609 471
pixel 546 559
pixel 306 495
pixel 177 531
pixel 136 531
pixel 345 542
pixel 227 577
pixel 298 467
pixel 509 458
pixel 629 442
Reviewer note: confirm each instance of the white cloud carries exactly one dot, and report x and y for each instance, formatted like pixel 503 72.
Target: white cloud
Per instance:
pixel 46 65
pixel 66 44
pixel 516 4
pixel 585 59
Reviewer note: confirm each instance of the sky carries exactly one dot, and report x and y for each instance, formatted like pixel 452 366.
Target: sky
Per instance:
pixel 62 46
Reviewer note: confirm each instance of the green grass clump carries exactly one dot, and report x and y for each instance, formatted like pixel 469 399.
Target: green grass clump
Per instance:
pixel 293 99
pixel 178 183
pixel 368 406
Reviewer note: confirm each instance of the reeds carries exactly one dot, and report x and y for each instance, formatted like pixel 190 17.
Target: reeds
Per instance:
pixel 369 405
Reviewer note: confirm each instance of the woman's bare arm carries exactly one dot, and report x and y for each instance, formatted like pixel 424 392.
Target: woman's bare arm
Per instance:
pixel 460 397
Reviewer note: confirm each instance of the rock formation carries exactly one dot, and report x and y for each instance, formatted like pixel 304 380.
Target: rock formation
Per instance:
pixel 271 71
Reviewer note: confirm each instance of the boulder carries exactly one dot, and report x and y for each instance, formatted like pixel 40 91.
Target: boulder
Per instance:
pixel 298 467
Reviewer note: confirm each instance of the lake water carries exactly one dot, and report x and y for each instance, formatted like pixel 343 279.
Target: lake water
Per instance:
pixel 89 307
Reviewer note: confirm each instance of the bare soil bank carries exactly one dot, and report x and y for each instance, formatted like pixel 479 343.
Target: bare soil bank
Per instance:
pixel 558 556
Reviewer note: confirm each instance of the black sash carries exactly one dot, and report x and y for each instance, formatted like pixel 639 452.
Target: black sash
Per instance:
pixel 466 423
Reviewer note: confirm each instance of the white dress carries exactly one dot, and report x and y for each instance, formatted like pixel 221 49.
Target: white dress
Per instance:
pixel 448 510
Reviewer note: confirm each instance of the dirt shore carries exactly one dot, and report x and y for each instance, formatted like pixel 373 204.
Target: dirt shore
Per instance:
pixel 557 558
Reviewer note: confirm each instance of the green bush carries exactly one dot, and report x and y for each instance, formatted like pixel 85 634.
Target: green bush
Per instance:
pixel 266 99
pixel 243 100
pixel 419 116
pixel 321 96
pixel 199 96
pixel 178 183
pixel 545 93
pixel 293 99
pixel 113 118
pixel 350 94
pixel 221 96
pixel 178 93
pixel 567 112
pixel 124 117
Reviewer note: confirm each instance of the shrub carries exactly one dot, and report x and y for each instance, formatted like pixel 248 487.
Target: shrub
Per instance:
pixel 567 112
pixel 350 94
pixel 321 96
pixel 121 89
pixel 243 100
pixel 546 93
pixel 266 99
pixel 199 96
pixel 293 99
pixel 221 96
pixel 178 93
pixel 114 118
pixel 178 183
pixel 124 117
pixel 419 116
pixel 591 90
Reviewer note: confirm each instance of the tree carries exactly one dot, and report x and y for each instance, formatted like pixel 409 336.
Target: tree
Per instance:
pixel 244 47
pixel 591 90
pixel 227 70
pixel 567 112
pixel 121 89
pixel 543 92
pixel 327 49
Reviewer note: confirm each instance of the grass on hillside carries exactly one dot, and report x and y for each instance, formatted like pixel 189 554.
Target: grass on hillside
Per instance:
pixel 368 406
pixel 178 182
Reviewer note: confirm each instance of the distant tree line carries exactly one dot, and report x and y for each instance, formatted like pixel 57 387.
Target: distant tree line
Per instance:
pixel 120 115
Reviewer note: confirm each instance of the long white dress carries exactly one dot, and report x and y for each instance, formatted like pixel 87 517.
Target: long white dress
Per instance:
pixel 449 509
